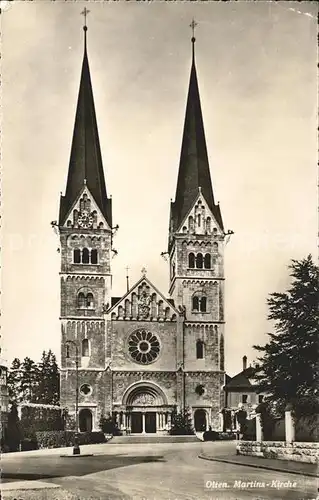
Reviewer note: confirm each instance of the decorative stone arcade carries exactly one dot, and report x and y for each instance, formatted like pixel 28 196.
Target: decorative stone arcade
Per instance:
pixel 144 410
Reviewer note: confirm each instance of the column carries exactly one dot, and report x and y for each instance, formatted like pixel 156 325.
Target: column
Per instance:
pixel 289 425
pixel 259 431
pixel 169 420
pixel 143 423
pixel 157 421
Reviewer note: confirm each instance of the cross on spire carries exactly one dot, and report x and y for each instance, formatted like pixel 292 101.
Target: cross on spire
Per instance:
pixel 84 13
pixel 144 271
pixel 193 25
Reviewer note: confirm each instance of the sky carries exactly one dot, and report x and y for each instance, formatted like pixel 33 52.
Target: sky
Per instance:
pixel 256 64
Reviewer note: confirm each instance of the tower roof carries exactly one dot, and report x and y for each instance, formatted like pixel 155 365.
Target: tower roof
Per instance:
pixel 85 165
pixel 194 166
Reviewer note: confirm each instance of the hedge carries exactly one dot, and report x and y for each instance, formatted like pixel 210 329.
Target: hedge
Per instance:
pixel 60 439
pixel 36 418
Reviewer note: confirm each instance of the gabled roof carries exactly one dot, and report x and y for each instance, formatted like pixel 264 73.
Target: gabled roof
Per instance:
pixel 145 296
pixel 85 166
pixel 241 380
pixel 194 166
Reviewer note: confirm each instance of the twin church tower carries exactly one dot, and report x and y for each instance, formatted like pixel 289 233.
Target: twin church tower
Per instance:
pixel 140 356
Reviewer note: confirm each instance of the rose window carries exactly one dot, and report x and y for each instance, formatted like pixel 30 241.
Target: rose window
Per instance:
pixel 143 346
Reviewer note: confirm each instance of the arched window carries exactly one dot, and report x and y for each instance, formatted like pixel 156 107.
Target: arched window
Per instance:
pixel 94 256
pixel 89 300
pixel 208 224
pixel 199 302
pixel 85 256
pixel 198 220
pixel 199 261
pixel 85 348
pixel 67 351
pixel 207 261
pixel 203 304
pixel 81 300
pixel 191 260
pixel 77 256
pixel 195 304
pixel 215 247
pixel 191 223
pixel 199 349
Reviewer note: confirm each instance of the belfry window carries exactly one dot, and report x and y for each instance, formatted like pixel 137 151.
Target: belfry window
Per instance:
pixel 199 302
pixel 81 300
pixel 85 256
pixel 199 349
pixel 85 348
pixel 85 299
pixel 191 260
pixel 203 302
pixel 207 261
pixel 199 261
pixel 94 256
pixel 77 256
pixel 195 304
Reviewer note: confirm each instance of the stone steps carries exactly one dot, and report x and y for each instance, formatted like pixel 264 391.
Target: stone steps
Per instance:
pixel 145 439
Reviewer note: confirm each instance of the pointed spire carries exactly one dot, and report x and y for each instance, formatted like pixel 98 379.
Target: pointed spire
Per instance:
pixel 194 166
pixel 85 167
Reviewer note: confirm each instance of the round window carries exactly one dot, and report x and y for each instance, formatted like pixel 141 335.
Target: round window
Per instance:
pixel 143 346
pixel 85 389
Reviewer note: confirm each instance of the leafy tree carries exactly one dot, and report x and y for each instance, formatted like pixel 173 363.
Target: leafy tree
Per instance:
pixel 181 422
pixel 49 380
pixel 288 370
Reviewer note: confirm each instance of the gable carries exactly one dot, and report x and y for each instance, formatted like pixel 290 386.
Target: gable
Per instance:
pixel 200 219
pixel 85 202
pixel 143 302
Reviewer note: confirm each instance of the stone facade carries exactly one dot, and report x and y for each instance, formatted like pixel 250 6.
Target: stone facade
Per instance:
pixel 141 356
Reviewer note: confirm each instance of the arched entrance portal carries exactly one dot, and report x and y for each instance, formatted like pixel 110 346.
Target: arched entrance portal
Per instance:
pixel 146 409
pixel 200 420
pixel 85 420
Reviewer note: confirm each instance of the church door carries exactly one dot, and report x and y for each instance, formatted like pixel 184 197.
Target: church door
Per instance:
pixel 85 420
pixel 200 420
pixel 150 422
pixel 136 422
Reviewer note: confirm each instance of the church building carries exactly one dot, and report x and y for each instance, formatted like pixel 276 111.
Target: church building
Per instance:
pixel 143 355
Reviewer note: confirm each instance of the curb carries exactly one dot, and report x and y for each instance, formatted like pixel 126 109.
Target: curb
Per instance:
pixel 257 466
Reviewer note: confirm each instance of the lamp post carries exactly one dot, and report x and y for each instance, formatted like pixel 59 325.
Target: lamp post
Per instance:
pixel 76 447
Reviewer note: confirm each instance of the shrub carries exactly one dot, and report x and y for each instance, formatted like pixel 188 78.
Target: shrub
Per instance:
pixel 29 444
pixel 181 423
pixel 108 425
pixel 249 433
pixel 60 439
pixel 211 435
pixel 225 436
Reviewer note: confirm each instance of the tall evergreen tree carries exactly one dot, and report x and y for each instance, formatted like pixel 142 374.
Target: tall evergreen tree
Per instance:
pixel 288 370
pixel 14 381
pixel 49 384
pixel 30 380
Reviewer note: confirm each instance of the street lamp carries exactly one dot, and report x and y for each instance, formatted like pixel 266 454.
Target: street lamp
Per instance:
pixel 76 447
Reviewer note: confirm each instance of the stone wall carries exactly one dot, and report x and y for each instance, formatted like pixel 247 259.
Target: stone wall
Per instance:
pixel 297 451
